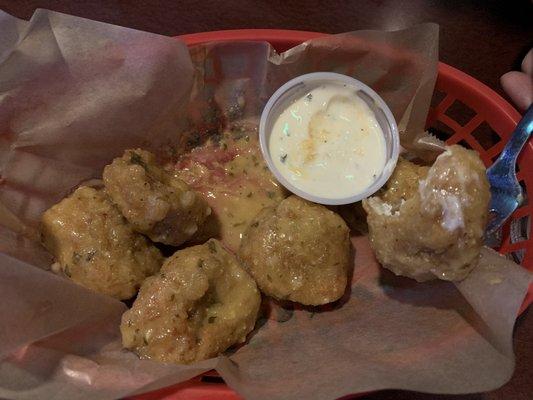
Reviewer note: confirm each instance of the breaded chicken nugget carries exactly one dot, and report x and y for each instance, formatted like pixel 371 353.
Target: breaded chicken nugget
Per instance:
pixel 298 251
pixel 201 302
pixel 156 203
pixel 429 222
pixel 95 246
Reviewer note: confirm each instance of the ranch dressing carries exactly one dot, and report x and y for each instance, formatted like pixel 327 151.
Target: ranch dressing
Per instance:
pixel 328 143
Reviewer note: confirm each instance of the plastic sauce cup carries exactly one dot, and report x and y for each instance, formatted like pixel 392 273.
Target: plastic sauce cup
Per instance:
pixel 299 87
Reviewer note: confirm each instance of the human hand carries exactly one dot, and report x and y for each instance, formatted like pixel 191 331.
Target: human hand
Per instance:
pixel 519 84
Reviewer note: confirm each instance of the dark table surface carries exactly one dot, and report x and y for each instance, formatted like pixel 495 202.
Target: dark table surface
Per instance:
pixel 483 38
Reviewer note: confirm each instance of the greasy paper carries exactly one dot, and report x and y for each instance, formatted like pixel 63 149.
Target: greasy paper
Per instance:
pixel 75 93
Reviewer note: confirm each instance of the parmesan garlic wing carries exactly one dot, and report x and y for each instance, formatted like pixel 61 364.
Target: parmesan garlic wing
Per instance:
pixel 298 251
pixel 95 246
pixel 429 222
pixel 201 303
pixel 155 202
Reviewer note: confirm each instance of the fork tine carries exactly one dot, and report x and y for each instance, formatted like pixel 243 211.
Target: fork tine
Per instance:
pixel 506 192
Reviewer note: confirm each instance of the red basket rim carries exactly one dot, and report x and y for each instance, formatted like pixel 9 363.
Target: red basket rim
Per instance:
pixel 194 389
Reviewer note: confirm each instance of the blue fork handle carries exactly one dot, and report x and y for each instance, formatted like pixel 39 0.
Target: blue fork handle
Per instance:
pixel 521 134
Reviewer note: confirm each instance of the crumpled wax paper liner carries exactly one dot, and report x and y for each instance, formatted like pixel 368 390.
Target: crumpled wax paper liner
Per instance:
pixel 75 93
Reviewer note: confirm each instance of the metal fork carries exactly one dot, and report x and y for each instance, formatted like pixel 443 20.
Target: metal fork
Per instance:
pixel 506 192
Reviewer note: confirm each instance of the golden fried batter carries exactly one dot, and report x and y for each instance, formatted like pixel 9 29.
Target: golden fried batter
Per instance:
pixel 429 222
pixel 298 251
pixel 156 203
pixel 200 303
pixel 95 246
pixel 233 178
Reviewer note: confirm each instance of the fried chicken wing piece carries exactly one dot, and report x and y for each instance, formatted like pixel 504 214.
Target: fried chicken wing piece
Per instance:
pixel 95 246
pixel 429 222
pixel 298 251
pixel 201 303
pixel 155 202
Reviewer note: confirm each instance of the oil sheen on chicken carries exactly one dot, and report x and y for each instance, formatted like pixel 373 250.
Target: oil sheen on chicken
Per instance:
pixel 95 246
pixel 201 302
pixel 157 204
pixel 233 178
pixel 429 222
pixel 298 251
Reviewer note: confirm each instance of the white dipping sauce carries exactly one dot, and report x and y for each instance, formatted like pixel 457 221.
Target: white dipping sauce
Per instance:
pixel 328 143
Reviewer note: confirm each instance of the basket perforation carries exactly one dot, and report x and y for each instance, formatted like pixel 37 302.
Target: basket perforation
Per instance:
pixel 460 112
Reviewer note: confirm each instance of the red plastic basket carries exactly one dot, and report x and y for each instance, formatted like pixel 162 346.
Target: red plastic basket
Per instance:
pixel 465 111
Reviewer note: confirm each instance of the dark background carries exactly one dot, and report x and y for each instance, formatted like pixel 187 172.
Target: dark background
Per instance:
pixel 483 38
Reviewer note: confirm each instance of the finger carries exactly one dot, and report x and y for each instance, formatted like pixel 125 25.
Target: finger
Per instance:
pixel 527 63
pixel 518 87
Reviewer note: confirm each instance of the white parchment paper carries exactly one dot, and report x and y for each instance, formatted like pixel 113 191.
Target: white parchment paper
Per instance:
pixel 75 93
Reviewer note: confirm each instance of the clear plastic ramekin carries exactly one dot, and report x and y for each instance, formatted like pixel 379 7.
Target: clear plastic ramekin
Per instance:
pixel 299 87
